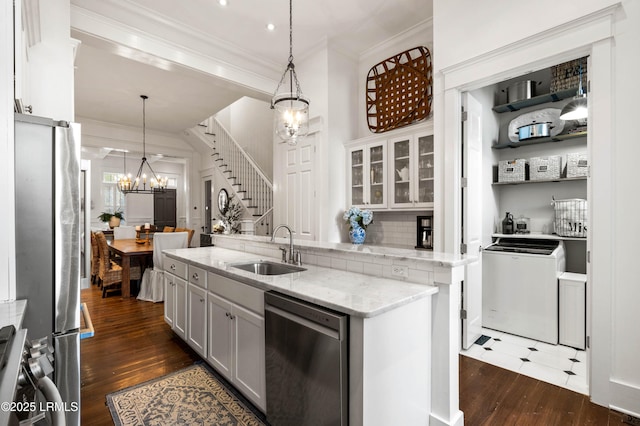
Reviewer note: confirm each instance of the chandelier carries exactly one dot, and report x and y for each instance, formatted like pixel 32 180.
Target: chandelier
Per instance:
pixel 139 185
pixel 291 119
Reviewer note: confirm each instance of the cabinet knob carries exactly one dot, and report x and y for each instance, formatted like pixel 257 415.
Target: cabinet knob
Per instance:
pixel 172 267
pixel 195 276
pixel 201 299
pixel 227 314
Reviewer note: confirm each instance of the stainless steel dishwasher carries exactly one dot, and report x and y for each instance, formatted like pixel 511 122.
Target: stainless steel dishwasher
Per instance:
pixel 306 363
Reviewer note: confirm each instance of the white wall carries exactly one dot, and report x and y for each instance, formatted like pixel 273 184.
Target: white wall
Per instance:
pixel 250 122
pixel 496 26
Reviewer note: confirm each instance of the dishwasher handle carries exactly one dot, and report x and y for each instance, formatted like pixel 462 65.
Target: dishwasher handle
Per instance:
pixel 334 334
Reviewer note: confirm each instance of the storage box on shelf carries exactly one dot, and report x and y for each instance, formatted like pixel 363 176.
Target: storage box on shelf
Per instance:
pixel 512 170
pixel 545 168
pixel 577 165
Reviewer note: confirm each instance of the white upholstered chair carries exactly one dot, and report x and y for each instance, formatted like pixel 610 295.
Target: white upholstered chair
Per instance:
pixel 152 285
pixel 124 232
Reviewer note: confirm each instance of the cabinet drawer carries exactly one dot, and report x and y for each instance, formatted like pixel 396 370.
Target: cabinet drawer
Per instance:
pixel 198 276
pixel 242 294
pixel 175 267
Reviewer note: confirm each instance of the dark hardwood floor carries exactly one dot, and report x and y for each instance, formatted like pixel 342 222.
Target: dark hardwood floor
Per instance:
pixel 132 344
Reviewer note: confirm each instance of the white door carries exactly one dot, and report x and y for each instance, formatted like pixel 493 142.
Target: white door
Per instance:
pixel 295 204
pixel 472 219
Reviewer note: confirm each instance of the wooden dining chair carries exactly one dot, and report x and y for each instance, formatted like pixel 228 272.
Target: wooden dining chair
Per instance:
pixel 189 231
pixel 110 272
pixel 95 260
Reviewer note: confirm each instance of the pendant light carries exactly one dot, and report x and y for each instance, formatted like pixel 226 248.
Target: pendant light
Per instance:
pixel 577 108
pixel 291 118
pixel 139 184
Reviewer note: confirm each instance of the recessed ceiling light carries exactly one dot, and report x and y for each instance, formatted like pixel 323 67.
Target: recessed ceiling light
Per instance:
pixel 271 27
pixel 222 2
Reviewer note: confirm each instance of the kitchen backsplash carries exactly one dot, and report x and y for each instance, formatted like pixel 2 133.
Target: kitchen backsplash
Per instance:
pixel 396 229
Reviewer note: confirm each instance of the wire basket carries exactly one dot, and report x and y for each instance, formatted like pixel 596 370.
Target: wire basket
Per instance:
pixel 571 217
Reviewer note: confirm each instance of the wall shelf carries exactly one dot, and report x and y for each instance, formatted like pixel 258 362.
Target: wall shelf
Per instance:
pixel 536 100
pixel 558 138
pixel 537 235
pixel 540 181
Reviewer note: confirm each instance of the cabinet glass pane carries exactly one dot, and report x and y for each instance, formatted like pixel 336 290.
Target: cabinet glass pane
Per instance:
pixel 377 194
pixel 402 169
pixel 356 176
pixel 425 144
pixel 425 191
pixel 356 157
pixel 357 196
pixel 376 154
pixel 425 166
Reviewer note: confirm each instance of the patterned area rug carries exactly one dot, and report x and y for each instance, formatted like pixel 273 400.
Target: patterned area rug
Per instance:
pixel 192 396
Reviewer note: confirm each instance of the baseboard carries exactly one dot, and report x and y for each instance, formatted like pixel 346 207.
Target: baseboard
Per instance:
pixel 625 398
pixel 456 420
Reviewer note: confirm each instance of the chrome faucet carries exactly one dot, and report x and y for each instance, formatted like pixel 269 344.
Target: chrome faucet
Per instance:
pixel 293 257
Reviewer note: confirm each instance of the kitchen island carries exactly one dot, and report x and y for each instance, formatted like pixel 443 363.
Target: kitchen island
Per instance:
pixel 403 326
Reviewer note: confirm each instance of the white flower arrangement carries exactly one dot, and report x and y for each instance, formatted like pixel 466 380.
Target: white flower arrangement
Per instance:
pixel 358 218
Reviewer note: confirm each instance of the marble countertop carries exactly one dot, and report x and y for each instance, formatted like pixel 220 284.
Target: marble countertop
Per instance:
pixel 12 313
pixel 441 259
pixel 348 292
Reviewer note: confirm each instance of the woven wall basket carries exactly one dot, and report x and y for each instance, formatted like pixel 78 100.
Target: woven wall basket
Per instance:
pixel 399 90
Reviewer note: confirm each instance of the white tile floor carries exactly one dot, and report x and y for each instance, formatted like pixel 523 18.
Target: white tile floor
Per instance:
pixel 556 364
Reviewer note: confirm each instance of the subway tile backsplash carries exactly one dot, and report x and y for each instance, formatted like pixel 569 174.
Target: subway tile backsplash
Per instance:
pixel 397 229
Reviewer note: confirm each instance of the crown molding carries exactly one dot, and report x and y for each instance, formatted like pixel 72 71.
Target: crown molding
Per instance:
pixel 167 40
pixel 424 28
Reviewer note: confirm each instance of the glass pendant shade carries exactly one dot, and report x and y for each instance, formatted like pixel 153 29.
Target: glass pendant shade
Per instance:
pixel 291 117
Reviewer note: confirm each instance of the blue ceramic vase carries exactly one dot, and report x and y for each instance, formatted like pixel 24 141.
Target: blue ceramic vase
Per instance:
pixel 357 235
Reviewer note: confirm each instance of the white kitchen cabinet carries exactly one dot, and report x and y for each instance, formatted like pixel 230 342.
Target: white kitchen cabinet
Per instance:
pixel 175 295
pixel 375 176
pixel 197 319
pixel 572 321
pixel 367 175
pixel 236 335
pixel 411 171
pixel 180 318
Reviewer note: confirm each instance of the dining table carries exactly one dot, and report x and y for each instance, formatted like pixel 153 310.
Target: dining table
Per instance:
pixel 127 249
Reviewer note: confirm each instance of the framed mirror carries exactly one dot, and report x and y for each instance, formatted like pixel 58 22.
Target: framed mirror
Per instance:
pixel 223 201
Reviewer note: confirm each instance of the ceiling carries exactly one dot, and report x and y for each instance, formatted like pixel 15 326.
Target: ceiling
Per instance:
pixel 110 77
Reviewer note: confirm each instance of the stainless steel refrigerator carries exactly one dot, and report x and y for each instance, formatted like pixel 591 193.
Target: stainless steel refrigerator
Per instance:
pixel 48 238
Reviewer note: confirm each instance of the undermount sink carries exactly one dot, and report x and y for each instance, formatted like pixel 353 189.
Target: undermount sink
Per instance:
pixel 265 267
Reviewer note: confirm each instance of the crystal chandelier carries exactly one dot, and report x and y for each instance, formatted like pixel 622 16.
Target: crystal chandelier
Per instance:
pixel 291 119
pixel 139 185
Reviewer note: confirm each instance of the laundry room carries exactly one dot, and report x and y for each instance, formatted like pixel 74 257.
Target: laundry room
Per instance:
pixel 534 220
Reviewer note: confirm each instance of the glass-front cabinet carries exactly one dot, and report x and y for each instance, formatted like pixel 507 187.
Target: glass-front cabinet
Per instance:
pixel 411 177
pixel 367 175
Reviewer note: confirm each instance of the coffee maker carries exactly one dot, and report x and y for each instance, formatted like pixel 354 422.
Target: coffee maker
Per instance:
pixel 424 233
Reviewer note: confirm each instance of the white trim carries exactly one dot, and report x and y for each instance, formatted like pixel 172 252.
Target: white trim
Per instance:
pixel 186 49
pixel 532 53
pixel 591 34
pixel 425 27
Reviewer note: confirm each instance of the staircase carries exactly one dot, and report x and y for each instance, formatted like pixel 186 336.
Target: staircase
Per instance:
pixel 250 185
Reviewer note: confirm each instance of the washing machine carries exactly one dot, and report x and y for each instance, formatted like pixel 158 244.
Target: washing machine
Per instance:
pixel 520 287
